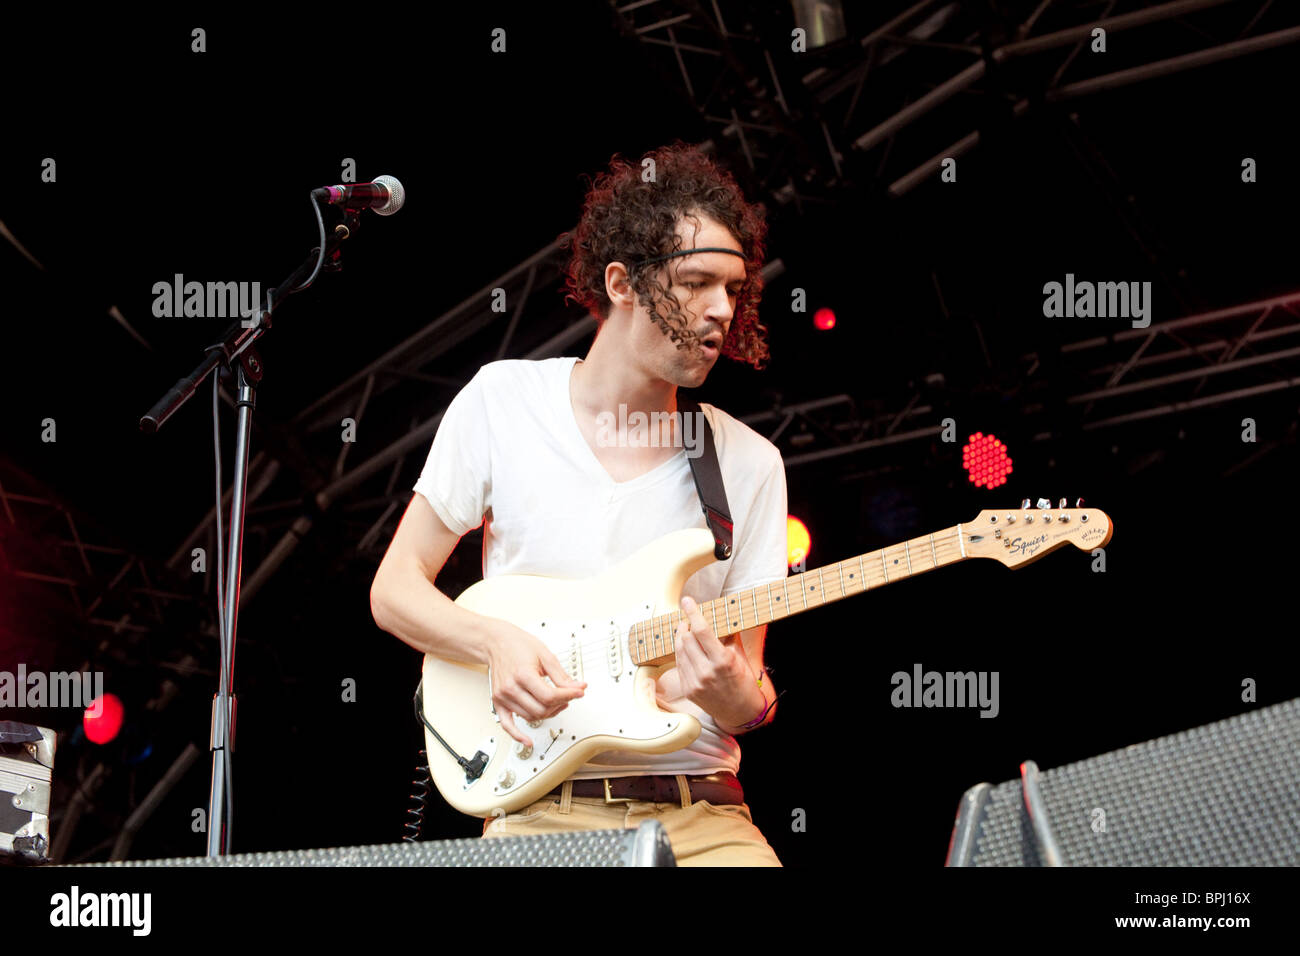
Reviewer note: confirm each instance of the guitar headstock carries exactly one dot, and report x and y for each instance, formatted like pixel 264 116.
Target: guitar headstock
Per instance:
pixel 1023 535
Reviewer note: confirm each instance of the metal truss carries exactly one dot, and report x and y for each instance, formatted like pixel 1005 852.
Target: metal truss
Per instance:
pixel 1195 362
pixel 1183 366
pixel 63 566
pixel 801 121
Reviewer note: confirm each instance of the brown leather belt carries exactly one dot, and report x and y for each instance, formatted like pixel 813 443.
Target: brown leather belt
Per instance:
pixel 720 789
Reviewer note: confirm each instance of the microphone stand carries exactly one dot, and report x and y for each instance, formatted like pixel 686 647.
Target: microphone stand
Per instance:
pixel 237 344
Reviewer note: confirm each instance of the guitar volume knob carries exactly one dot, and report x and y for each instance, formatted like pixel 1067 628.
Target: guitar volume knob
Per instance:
pixel 534 724
pixel 507 779
pixel 523 751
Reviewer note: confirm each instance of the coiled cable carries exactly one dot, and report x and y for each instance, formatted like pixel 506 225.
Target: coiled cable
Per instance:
pixel 419 796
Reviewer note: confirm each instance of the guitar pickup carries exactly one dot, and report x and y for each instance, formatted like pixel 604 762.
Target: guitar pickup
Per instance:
pixel 614 656
pixel 573 662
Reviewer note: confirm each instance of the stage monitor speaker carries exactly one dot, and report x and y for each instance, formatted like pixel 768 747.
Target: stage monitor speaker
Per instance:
pixel 647 845
pixel 1226 794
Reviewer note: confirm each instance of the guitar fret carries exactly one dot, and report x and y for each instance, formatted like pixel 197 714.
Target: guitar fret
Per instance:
pixel 655 638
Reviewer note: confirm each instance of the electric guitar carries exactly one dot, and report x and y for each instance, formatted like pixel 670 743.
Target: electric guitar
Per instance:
pixel 615 631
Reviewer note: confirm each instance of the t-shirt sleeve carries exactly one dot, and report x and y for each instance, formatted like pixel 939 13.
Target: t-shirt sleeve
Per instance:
pixel 761 550
pixel 457 476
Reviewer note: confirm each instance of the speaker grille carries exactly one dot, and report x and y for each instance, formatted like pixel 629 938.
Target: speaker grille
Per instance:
pixel 645 846
pixel 1226 794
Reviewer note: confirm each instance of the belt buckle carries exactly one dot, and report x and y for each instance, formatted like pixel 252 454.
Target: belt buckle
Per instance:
pixel 610 798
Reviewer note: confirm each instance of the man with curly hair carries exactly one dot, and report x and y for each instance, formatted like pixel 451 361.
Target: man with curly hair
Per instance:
pixel 667 258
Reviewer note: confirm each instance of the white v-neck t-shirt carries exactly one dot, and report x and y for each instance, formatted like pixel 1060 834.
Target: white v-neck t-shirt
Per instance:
pixel 509 454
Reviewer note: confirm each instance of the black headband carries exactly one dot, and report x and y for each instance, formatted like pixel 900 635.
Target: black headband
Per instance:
pixel 686 252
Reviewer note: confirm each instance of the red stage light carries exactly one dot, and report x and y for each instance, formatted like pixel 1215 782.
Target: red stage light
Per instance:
pixel 824 319
pixel 103 718
pixel 986 461
pixel 798 541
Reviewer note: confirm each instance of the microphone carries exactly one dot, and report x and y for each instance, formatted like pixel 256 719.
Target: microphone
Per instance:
pixel 385 195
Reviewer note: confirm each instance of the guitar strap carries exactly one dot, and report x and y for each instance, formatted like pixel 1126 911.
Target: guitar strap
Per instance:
pixel 708 479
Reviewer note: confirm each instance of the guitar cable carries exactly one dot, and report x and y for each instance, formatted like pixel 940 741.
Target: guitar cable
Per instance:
pixel 473 768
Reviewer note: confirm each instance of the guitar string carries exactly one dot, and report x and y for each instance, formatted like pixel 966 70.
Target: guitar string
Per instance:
pixel 945 551
pixel 833 589
pixel 941 553
pixel 750 602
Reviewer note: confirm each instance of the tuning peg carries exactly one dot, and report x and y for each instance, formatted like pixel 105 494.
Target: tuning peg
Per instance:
pixel 1078 502
pixel 1062 504
pixel 1044 503
pixel 1024 505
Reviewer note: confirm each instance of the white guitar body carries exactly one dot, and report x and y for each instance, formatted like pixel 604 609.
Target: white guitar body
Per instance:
pixel 586 624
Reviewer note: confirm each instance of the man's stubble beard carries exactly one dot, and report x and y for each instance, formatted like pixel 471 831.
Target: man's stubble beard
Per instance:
pixel 686 368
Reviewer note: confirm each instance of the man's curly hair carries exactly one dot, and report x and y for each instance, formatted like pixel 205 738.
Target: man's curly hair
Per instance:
pixel 625 219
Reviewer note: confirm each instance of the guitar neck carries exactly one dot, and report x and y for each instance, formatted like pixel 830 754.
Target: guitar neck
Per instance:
pixel 652 640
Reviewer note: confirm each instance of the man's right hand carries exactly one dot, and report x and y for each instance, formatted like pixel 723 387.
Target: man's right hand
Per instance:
pixel 519 665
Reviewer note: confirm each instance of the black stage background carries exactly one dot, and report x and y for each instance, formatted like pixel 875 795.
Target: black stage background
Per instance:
pixel 174 162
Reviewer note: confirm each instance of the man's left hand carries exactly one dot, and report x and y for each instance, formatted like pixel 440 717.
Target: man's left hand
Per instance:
pixel 715 674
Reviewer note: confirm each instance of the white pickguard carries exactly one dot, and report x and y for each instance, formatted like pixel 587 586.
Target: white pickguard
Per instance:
pixel 610 699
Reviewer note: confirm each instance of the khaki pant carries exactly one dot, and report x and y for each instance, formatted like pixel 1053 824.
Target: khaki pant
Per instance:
pixel 701 834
